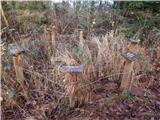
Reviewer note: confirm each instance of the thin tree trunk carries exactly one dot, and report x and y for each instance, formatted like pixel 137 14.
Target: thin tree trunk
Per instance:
pixel 4 17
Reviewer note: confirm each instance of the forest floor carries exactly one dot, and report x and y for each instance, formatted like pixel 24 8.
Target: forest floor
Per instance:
pixel 114 107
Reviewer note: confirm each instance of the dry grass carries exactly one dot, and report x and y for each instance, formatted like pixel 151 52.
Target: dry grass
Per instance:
pixel 100 57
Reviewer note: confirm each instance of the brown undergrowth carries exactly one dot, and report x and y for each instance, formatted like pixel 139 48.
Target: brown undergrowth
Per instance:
pixel 46 90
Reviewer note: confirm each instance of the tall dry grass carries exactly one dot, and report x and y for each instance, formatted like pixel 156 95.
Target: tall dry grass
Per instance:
pixel 100 57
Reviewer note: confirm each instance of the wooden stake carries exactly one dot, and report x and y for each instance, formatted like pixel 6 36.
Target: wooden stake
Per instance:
pixel 18 69
pixel 17 60
pixel 53 40
pixel 131 57
pixel 74 85
pixel 53 37
pixel 127 76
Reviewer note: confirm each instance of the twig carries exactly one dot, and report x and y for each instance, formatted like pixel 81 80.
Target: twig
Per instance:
pixel 38 74
pixel 103 78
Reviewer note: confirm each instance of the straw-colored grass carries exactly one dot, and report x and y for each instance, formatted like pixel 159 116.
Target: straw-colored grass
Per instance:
pixel 100 57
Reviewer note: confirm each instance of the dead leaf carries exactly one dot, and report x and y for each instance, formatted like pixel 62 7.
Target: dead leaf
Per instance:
pixel 136 91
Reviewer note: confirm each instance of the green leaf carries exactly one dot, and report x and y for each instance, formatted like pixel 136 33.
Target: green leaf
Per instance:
pixel 126 95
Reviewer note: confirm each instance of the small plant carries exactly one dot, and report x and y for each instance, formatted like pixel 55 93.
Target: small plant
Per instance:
pixel 126 95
